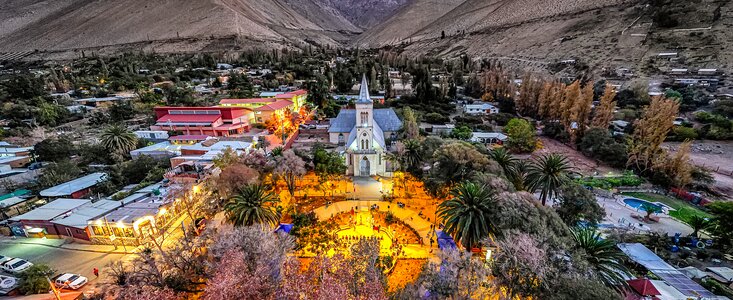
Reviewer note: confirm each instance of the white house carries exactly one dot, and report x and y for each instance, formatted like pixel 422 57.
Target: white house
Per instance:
pixel 480 108
pixel 488 138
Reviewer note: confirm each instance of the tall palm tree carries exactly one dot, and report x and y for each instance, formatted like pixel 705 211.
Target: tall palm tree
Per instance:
pixel 547 174
pixel 412 156
pixel 699 223
pixel 467 215
pixel 603 256
pixel 118 139
pixel 253 204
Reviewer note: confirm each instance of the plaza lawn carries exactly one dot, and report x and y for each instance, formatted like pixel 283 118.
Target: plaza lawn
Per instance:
pixel 683 210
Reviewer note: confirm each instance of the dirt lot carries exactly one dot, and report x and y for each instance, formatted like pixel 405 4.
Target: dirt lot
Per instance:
pixel 581 163
pixel 716 156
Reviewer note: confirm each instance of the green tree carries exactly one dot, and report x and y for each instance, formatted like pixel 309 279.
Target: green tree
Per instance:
pixel 463 133
pixel 34 280
pixel 467 215
pixel 698 223
pixel 723 220
pixel 521 136
pixel 604 257
pixel 577 203
pixel 240 86
pixel 327 164
pixel 252 204
pixel 598 143
pixel 117 139
pixel 57 173
pixel 55 149
pixel 547 174
pixel 650 209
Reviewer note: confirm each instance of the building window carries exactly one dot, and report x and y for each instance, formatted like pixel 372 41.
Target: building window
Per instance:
pixel 364 118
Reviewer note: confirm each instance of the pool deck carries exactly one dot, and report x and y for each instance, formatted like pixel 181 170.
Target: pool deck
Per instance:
pixel 619 214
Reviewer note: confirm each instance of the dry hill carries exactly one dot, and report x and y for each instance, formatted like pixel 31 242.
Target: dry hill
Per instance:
pixel 72 24
pixel 537 34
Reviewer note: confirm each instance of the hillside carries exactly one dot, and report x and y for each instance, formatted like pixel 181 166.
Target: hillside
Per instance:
pixel 26 25
pixel 616 33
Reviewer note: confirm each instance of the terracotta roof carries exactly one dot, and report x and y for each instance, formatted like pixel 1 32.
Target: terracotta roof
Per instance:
pixel 246 101
pixel 279 104
pixel 208 119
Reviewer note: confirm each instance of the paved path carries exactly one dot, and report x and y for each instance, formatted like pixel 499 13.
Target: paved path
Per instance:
pixel 408 216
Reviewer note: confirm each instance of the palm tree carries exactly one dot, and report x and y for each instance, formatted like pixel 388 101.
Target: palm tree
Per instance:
pixel 253 204
pixel 548 173
pixel 504 159
pixel 412 156
pixel 467 215
pixel 118 139
pixel 603 256
pixel 650 209
pixel 698 223
pixel 515 170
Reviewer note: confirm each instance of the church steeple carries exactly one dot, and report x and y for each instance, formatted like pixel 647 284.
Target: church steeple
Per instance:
pixel 364 91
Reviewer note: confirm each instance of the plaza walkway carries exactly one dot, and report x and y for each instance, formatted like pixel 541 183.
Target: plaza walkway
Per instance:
pixel 407 216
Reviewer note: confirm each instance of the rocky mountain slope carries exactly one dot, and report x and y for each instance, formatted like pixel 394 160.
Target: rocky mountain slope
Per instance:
pixel 528 33
pixel 613 33
pixel 72 24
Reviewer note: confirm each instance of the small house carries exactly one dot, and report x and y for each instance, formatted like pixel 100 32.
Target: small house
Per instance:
pixel 480 108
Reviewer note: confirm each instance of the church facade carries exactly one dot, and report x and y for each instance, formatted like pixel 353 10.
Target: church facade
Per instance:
pixel 364 135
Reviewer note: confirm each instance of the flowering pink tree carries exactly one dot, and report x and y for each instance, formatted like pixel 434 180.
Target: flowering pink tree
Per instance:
pixel 290 167
pixel 520 265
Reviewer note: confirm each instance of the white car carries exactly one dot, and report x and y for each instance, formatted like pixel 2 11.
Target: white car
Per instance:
pixel 16 265
pixel 4 259
pixel 70 281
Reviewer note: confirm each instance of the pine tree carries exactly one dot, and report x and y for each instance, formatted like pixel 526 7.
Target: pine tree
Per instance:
pixel 604 111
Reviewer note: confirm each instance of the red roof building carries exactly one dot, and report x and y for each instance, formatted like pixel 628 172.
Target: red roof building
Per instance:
pixel 209 121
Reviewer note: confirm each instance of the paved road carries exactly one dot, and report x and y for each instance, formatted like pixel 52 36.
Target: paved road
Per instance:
pixel 63 260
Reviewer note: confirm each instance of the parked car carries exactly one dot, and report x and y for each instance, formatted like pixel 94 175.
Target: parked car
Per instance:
pixel 70 281
pixel 16 265
pixel 3 259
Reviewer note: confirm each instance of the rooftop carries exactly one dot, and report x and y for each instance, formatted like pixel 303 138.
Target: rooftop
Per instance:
pixel 79 217
pixel 246 101
pixel 67 188
pixel 384 117
pixel 186 119
pixel 279 104
pixel 51 210
pixel 133 211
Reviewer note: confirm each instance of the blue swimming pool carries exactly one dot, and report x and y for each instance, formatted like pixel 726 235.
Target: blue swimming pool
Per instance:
pixel 636 203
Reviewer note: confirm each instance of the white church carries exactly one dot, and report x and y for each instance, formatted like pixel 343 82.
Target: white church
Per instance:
pixel 364 134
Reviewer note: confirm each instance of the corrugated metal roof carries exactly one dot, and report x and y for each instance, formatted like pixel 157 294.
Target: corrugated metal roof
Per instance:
pixel 66 189
pixel 385 117
pixel 51 210
pixel 79 217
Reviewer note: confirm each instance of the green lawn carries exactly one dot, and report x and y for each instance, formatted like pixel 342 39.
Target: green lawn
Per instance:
pixel 683 210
